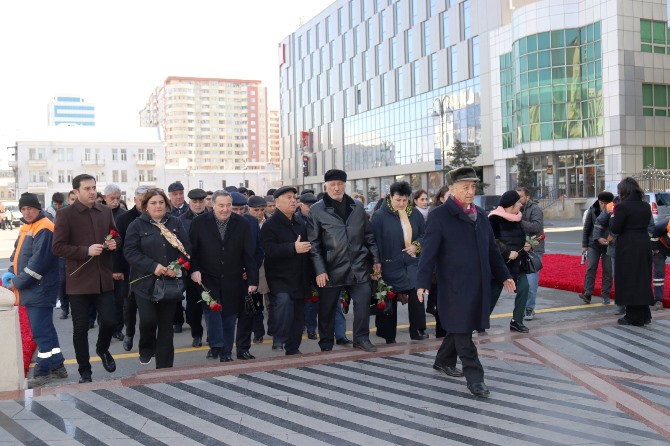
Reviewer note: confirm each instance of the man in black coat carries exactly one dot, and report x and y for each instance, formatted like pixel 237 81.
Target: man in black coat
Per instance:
pixel 223 251
pixel 460 248
pixel 196 206
pixel 287 269
pixel 596 250
pixel 342 244
pixel 122 268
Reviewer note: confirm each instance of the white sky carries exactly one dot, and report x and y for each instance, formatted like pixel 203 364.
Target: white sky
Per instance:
pixel 114 53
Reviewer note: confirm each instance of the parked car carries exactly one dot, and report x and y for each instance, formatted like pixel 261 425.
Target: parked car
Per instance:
pixel 16 213
pixel 487 202
pixel 660 204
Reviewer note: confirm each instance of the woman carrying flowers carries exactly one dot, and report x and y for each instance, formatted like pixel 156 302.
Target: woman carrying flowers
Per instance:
pixel 156 248
pixel 398 229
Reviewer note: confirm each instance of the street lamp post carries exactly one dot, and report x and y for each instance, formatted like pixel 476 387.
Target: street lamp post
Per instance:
pixel 440 110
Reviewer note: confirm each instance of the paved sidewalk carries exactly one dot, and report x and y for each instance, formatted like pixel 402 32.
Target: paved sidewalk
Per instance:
pixel 586 381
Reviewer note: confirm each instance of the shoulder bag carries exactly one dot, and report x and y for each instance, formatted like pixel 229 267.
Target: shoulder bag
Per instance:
pixel 167 290
pixel 531 263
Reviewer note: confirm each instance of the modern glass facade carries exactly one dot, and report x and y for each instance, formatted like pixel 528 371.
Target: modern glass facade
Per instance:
pixel 551 86
pixel 654 37
pixel 412 130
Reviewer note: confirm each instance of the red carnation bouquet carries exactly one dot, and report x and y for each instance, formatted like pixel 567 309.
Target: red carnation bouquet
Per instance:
pixel 314 297
pixel 382 295
pixel 345 300
pixel 108 237
pixel 179 264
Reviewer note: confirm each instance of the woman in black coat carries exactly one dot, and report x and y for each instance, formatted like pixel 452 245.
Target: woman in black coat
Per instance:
pixel 223 252
pixel 506 224
pixel 153 241
pixel 398 229
pixel 632 266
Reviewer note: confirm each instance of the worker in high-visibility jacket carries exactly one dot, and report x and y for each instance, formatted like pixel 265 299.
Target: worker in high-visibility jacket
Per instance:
pixel 36 280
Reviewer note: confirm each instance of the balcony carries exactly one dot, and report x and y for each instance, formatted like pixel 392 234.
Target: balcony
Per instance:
pixel 37 162
pixel 33 185
pixel 146 162
pixel 92 161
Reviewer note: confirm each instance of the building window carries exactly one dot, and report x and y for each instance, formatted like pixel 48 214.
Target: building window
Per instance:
pixel 115 154
pixel 61 154
pixel 654 37
pixel 417 77
pixel 432 7
pixel 446 42
pixel 380 60
pixel 384 26
pixel 655 100
pixel 426 38
pixel 466 22
pixel 414 12
pixel 87 154
pixel 435 72
pixel 385 89
pixel 140 154
pixel 474 60
pixel 394 52
pixel 61 176
pixel 454 64
pixel 124 156
pixel 340 21
pixel 398 18
pixel 401 84
pixel 409 44
pixel 115 176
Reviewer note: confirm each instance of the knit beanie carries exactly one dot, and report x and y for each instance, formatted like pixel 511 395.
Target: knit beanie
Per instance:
pixel 509 198
pixel 28 199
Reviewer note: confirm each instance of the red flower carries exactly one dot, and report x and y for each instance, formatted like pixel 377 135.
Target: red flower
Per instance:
pixel 113 233
pixel 215 307
pixel 390 295
pixel 181 260
pixel 315 298
pixel 345 304
pixel 381 305
pixel 186 265
pixel 541 237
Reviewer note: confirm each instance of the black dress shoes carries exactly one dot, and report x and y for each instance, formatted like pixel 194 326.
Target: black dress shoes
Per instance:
pixel 213 353
pixel 128 343
pixel 226 359
pixel 344 341
pixel 419 335
pixel 479 389
pixel 107 361
pixel 245 355
pixel 118 336
pixel 197 341
pixel 451 371
pixel 85 377
pixel 312 335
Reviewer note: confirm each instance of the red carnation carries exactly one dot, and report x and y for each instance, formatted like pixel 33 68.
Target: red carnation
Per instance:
pixel 181 260
pixel 390 295
pixel 540 238
pixel 345 304
pixel 381 305
pixel 315 298
pixel 187 265
pixel 113 233
pixel 215 307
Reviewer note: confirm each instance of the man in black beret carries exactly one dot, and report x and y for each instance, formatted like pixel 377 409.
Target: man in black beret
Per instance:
pixel 342 244
pixel 256 208
pixel 596 249
pixel 176 195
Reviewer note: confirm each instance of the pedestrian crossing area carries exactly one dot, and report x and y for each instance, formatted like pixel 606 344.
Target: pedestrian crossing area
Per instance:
pixel 393 400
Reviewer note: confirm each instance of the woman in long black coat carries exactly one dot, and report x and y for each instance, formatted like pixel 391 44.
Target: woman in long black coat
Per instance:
pixel 399 256
pixel 633 260
pixel 149 253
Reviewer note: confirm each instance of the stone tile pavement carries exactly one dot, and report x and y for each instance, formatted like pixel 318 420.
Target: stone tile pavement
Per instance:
pixel 580 382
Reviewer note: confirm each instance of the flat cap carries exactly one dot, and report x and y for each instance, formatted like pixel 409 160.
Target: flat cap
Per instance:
pixel 175 186
pixel 308 199
pixel 257 202
pixel 230 189
pixel 462 174
pixel 270 198
pixel 197 194
pixel 335 175
pixel 238 199
pixel 282 190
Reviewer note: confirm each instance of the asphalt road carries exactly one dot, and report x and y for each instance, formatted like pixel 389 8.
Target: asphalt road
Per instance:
pixel 553 307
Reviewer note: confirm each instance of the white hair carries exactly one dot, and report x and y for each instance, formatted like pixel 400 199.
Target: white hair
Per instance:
pixel 111 189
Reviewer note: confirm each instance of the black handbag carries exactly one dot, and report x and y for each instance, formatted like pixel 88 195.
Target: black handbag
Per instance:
pixel 531 263
pixel 251 306
pixel 167 290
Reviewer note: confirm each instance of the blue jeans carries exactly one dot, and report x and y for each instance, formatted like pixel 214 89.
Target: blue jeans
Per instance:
pixel 340 322
pixel 220 331
pixel 311 311
pixel 533 284
pixel 49 356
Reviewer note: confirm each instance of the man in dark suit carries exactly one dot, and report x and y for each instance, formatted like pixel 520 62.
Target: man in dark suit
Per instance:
pixel 81 237
pixel 222 252
pixel 287 269
pixel 460 248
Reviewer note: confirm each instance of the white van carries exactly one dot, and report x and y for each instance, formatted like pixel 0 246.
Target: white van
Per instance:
pixel 16 213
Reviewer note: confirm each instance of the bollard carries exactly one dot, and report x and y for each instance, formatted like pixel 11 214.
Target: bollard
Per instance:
pixel 11 348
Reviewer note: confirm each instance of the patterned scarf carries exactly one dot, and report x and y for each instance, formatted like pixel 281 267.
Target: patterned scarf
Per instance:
pixel 470 211
pixel 171 238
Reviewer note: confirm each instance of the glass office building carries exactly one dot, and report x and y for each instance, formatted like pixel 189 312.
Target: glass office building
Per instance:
pixel 386 89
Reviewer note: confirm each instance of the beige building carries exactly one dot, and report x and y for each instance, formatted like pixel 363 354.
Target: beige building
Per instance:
pixel 274 139
pixel 210 123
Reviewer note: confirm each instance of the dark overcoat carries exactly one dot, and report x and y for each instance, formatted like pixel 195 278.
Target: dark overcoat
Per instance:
pixel 398 268
pixel 465 257
pixel 145 248
pixel 223 263
pixel 285 270
pixel 632 266
pixel 77 228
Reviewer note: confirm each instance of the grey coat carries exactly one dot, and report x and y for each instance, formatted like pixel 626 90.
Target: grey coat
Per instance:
pixel 533 223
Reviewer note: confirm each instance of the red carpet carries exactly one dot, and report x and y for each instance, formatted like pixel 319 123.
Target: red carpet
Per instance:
pixel 564 272
pixel 29 345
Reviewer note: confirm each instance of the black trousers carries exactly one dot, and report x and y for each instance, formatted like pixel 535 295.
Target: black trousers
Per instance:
pixel 360 294
pixel 638 314
pixel 130 314
pixel 120 291
pixel 193 308
pixel 460 345
pixel 156 333
pixel 178 315
pixel 387 323
pixel 245 323
pixel 80 306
